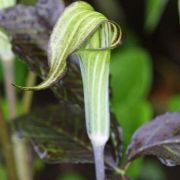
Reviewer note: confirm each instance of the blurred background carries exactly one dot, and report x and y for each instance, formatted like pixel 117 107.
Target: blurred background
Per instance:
pixel 144 82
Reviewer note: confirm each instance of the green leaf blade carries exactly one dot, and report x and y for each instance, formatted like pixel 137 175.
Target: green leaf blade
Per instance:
pixel 131 75
pixel 153 12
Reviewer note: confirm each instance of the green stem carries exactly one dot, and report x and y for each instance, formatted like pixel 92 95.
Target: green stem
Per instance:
pixel 116 169
pixel 9 89
pixel 7 149
pixel 27 101
pixel 28 95
pixel 22 158
pixel 19 146
pixel 126 166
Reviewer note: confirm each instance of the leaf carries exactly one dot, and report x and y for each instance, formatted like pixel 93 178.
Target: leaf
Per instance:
pixel 20 72
pixel 33 24
pixel 153 12
pixel 174 103
pixel 152 170
pixel 130 75
pixel 161 138
pixel 130 119
pixel 50 10
pixel 30 26
pixel 58 135
pixel 134 170
pixel 54 136
pixel 3 172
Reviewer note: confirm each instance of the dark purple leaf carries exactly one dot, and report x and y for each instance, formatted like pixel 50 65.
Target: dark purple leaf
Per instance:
pixel 160 137
pixel 58 135
pixel 50 10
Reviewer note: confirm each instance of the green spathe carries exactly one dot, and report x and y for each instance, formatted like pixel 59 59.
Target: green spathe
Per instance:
pixel 75 27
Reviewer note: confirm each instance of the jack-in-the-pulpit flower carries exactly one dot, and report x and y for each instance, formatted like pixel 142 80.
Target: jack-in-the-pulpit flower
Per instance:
pixel 91 36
